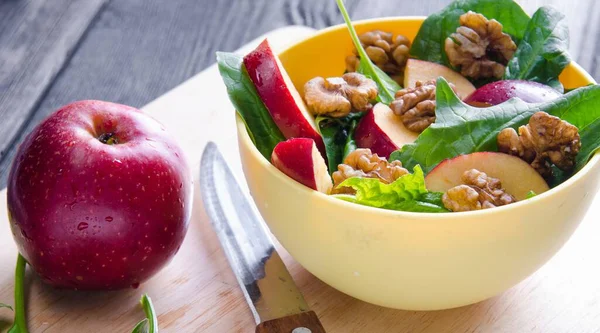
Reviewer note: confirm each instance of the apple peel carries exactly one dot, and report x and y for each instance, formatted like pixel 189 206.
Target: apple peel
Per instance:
pixel 300 159
pixel 280 96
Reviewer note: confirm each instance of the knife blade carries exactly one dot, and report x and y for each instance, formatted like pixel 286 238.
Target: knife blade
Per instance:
pixel 276 303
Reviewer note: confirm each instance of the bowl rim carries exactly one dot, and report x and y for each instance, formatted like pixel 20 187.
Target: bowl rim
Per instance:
pixel 244 138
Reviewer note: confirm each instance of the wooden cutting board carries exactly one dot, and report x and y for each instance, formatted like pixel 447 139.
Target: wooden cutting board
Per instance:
pixel 197 292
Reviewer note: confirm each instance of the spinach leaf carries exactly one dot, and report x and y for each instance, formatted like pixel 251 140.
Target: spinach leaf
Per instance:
pixel 20 322
pixel 249 106
pixel 463 129
pixel 581 109
pixel 338 135
pixel 543 53
pixel 407 193
pixel 150 323
pixel 429 42
pixel 386 86
pixel 350 145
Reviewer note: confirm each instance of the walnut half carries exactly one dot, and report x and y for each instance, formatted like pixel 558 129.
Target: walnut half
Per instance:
pixel 416 106
pixel 386 52
pixel 479 47
pixel 545 140
pixel 338 96
pixel 480 191
pixel 362 163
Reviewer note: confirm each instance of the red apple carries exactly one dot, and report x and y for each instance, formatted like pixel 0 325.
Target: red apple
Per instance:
pixel 517 177
pixel 279 95
pixel 99 197
pixel 501 91
pixel 419 70
pixel 382 131
pixel 300 159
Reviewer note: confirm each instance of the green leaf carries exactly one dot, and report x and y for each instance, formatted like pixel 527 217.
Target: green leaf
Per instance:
pixel 386 86
pixel 530 194
pixel 429 42
pixel 350 145
pixel 142 327
pixel 2 305
pixel 434 198
pixel 544 51
pixel 463 129
pixel 581 109
pixel 150 323
pixel 20 322
pixel 338 135
pixel 242 93
pixel 407 193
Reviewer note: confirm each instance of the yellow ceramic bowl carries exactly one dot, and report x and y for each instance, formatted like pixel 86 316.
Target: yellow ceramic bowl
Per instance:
pixel 412 261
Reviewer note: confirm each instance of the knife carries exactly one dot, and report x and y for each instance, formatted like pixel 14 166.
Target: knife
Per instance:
pixel 275 301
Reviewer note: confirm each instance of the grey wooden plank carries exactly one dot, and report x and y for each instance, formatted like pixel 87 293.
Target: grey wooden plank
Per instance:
pixel 36 39
pixel 136 50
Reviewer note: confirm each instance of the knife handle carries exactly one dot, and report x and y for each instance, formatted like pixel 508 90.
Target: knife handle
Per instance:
pixel 305 322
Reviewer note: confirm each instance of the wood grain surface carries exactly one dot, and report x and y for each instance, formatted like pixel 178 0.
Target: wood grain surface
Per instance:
pixel 131 51
pixel 197 291
pixel 305 322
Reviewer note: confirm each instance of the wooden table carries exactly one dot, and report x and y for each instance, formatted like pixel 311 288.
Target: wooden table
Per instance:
pixel 198 293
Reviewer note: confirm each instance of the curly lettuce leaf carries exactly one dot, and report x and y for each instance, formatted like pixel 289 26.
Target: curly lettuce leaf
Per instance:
pixel 407 193
pixel 429 42
pixel 462 129
pixel 242 93
pixel 543 53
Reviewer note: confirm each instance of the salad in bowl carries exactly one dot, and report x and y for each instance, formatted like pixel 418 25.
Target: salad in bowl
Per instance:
pixel 421 163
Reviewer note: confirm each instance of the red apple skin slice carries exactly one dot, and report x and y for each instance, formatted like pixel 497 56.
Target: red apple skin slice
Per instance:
pixel 517 177
pixel 501 91
pixel 279 95
pixel 420 70
pixel 300 159
pixel 382 131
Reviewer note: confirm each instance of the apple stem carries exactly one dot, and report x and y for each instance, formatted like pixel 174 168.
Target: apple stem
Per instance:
pixel 108 138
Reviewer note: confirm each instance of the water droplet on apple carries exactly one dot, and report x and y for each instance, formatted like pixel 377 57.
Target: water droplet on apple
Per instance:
pixel 108 219
pixel 135 285
pixel 82 226
pixel 117 161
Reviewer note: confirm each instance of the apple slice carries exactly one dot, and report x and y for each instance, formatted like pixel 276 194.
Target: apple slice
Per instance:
pixel 300 159
pixel 419 70
pixel 382 131
pixel 501 91
pixel 281 98
pixel 517 177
